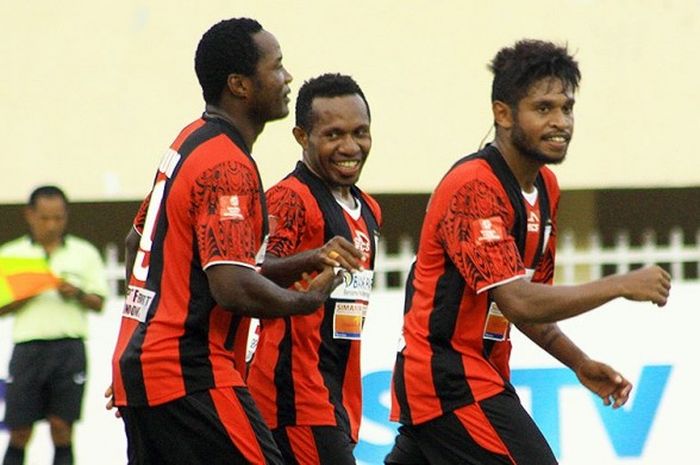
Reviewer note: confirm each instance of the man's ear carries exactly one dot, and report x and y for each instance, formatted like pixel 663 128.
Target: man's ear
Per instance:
pixel 301 136
pixel 239 85
pixel 502 114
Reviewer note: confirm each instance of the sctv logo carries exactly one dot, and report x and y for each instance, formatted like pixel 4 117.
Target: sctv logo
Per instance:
pixel 627 428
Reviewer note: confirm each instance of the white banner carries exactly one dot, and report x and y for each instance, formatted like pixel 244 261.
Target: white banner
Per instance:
pixel 650 346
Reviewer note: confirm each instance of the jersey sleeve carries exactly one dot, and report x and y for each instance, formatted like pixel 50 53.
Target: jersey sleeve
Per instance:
pixel 475 236
pixel 287 221
pixel 140 218
pixel 545 269
pixel 226 209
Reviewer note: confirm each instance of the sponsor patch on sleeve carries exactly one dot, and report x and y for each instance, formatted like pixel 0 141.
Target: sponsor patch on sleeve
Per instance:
pixel 232 208
pixel 488 230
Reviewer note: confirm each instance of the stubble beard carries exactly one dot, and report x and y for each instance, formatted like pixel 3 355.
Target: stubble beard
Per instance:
pixel 520 142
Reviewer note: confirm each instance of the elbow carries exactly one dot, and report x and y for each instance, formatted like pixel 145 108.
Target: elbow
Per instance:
pixel 520 308
pixel 515 312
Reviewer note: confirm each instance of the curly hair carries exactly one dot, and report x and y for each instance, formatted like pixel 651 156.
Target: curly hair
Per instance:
pixel 226 48
pixel 325 85
pixel 516 68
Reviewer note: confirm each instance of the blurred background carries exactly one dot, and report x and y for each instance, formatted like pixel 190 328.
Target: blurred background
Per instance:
pixel 92 94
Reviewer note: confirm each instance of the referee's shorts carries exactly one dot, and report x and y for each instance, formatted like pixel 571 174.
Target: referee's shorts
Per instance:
pixel 46 379
pixel 215 427
pixel 495 431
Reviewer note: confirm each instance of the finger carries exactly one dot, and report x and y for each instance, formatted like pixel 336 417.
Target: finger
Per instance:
pixel 333 258
pixel 343 245
pixel 337 279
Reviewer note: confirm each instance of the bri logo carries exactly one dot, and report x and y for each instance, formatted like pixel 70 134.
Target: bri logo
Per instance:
pixel 627 428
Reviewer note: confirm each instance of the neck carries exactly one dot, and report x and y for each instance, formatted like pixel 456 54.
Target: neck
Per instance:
pixel 248 129
pixel 524 168
pixel 49 247
pixel 341 193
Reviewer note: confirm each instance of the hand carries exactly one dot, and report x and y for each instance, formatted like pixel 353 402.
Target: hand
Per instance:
pixel 650 283
pixel 109 394
pixel 338 252
pixel 605 382
pixel 69 291
pixel 323 283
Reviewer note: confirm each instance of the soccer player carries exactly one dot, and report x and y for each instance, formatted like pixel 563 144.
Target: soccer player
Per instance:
pixel 485 261
pixel 178 363
pixel 305 375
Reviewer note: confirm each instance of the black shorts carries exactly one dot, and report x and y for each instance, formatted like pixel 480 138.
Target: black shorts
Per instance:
pixel 46 378
pixel 495 431
pixel 214 427
pixel 314 445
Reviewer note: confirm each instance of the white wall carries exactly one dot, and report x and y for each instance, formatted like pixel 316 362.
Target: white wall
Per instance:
pixel 652 347
pixel 93 92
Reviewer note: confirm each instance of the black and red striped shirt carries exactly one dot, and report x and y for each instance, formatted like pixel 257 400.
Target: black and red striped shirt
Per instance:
pixel 478 233
pixel 206 207
pixel 306 371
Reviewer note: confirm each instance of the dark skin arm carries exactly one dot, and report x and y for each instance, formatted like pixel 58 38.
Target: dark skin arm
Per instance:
pixel 13 307
pixel 337 252
pixel 131 246
pixel 598 377
pixel 245 292
pixel 524 302
pixel 92 302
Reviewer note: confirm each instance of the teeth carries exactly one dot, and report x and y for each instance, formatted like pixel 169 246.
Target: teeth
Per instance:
pixel 557 138
pixel 348 164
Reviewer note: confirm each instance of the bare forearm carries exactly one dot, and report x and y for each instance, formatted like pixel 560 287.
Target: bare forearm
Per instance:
pixel 248 293
pixel 284 271
pixel 525 302
pixel 131 245
pixel 93 302
pixel 552 340
pixel 13 307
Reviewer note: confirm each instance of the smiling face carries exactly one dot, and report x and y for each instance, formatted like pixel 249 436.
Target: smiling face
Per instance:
pixel 543 122
pixel 339 141
pixel 270 98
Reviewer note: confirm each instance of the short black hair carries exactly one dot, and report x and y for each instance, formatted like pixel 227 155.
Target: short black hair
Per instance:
pixel 46 191
pixel 516 68
pixel 226 48
pixel 325 85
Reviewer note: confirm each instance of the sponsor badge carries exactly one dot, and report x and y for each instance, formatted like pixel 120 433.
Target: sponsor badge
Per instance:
pixel 138 301
pixel 355 286
pixel 348 318
pixel 496 327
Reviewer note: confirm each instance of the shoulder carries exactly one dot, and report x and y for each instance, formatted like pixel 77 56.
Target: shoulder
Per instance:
pixel 373 205
pixel 550 181
pixel 470 174
pixel 290 190
pixel 80 245
pixel 18 244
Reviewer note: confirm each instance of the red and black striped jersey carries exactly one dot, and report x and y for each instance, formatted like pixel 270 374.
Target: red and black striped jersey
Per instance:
pixel 306 369
pixel 206 208
pixel 478 233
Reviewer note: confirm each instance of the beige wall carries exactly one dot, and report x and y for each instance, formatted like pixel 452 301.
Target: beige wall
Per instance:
pixel 91 93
